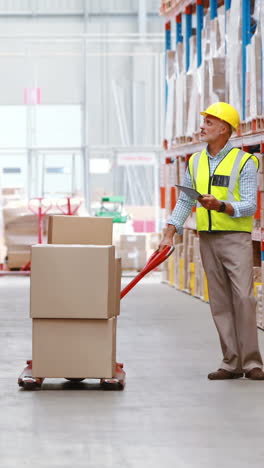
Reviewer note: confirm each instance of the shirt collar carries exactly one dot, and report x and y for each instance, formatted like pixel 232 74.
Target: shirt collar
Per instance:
pixel 222 153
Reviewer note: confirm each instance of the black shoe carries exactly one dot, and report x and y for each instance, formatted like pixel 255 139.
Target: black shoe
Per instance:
pixel 222 374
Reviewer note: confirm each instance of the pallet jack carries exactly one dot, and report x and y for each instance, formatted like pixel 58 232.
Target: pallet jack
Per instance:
pixel 117 382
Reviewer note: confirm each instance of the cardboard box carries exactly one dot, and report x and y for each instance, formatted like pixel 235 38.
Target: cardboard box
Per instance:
pixel 17 259
pixel 72 281
pixel 118 271
pixel 74 348
pixel 140 241
pixel 80 230
pixel 134 259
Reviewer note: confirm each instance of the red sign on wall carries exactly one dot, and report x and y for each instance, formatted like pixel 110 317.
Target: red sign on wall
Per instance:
pixel 32 95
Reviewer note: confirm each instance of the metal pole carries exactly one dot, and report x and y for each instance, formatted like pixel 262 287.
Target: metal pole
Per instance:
pixel 86 176
pixel 43 174
pixel 74 185
pixel 142 17
pixel 213 9
pixel 199 15
pixel 179 36
pixel 188 19
pixel 245 42
pixel 85 149
pixel 85 15
pixel 156 192
pixel 29 173
pixel 168 47
pixel 156 100
pixel 227 5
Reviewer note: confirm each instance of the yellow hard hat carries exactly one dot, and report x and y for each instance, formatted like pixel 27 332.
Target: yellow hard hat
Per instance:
pixel 224 111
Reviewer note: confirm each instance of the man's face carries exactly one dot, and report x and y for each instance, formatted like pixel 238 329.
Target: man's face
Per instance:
pixel 211 129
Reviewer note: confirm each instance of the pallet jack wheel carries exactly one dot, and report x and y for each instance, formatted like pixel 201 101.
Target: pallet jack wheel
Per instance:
pixel 29 384
pixel 112 385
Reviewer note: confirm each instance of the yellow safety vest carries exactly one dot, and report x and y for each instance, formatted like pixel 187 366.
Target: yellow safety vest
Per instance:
pixel 223 185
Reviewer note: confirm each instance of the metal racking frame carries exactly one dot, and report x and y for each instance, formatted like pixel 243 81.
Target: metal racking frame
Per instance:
pixel 250 137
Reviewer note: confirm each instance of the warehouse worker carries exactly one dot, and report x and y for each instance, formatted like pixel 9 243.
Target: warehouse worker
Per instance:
pixel 227 179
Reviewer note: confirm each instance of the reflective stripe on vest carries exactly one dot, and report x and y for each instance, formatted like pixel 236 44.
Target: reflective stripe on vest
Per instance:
pixel 223 185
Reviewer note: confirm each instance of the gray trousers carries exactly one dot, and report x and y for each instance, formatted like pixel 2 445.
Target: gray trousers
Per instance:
pixel 228 262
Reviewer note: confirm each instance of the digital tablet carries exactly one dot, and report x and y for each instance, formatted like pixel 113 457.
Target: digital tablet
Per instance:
pixel 191 192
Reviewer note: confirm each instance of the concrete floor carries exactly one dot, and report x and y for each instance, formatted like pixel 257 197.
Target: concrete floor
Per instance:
pixel 169 414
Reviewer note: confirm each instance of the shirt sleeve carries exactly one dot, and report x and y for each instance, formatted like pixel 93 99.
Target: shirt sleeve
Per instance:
pixel 248 191
pixel 183 206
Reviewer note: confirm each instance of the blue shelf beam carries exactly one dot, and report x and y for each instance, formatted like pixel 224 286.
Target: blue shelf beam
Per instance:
pixel 179 36
pixel 188 18
pixel 246 36
pixel 227 5
pixel 213 9
pixel 168 47
pixel 199 16
pixel 168 35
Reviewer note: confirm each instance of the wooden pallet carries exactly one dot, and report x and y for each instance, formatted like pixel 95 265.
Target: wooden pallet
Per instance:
pixel 248 127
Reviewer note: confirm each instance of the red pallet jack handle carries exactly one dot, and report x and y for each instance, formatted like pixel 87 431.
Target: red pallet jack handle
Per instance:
pixel 70 211
pixel 158 257
pixel 39 210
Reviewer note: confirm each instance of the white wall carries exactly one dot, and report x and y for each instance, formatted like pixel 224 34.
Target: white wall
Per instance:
pixel 57 68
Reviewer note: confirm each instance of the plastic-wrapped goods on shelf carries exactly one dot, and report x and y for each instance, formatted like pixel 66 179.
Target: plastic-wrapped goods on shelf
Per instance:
pixel 254 77
pixel 256 274
pixel 178 128
pixel 217 88
pixel 188 85
pixel 204 79
pixel 194 106
pixel 206 37
pixel 170 112
pixel 179 58
pixel 234 62
pixel 193 97
pixel 217 34
pixel 179 103
pixel 179 171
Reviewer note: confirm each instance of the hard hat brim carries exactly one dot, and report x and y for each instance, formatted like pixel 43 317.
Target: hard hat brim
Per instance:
pixel 219 118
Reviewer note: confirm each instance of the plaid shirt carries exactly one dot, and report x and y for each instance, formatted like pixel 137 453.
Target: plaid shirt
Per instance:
pixel 248 191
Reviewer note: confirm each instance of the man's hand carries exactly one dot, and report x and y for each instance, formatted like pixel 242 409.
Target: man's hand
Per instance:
pixel 209 202
pixel 168 237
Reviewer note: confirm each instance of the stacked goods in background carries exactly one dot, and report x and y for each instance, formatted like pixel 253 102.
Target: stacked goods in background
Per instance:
pixel 20 230
pixel 254 78
pixel 221 75
pixel 183 269
pixel 142 217
pixel 218 77
pixel 135 249
pixel 75 299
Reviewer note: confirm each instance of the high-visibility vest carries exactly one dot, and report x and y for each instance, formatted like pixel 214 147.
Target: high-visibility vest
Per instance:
pixel 223 185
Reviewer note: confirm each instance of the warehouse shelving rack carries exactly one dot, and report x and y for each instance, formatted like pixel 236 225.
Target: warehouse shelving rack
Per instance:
pixel 180 17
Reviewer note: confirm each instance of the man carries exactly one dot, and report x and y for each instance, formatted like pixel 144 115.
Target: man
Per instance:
pixel 227 179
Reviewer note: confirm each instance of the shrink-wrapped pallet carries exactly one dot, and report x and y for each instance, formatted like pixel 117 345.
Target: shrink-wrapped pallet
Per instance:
pixel 233 53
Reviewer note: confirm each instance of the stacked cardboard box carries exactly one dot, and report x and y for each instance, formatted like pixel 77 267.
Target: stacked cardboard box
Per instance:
pixel 20 232
pixel 75 300
pixel 135 249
